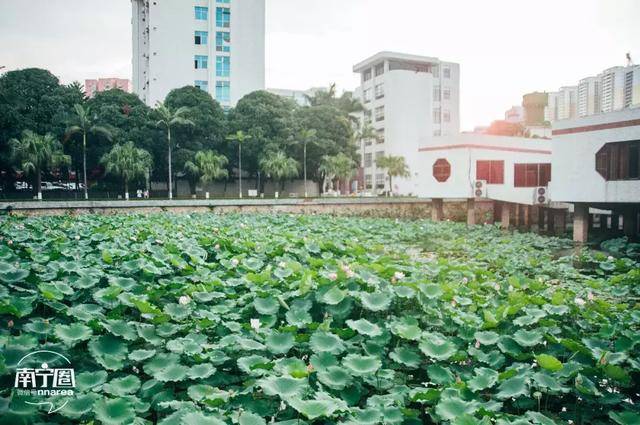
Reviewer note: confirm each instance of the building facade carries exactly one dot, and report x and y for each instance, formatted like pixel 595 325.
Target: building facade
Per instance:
pixel 515 115
pixel 216 45
pixel 410 101
pixel 563 104
pixel 91 87
pixel 589 92
pixel 298 96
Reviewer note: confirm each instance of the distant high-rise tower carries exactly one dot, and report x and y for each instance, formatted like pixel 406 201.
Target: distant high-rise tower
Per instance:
pixel 589 91
pixel 216 45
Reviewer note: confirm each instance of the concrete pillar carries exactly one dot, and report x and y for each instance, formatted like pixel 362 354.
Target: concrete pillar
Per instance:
pixel 517 215
pixel 603 221
pixel 542 212
pixel 580 222
pixel 615 221
pixel 526 219
pixel 471 212
pixel 505 220
pixel 437 210
pixel 630 223
pixel 559 221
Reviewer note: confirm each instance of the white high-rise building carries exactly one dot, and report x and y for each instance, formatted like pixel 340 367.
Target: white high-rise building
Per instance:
pixel 410 101
pixel 620 87
pixel 589 92
pixel 218 46
pixel 563 104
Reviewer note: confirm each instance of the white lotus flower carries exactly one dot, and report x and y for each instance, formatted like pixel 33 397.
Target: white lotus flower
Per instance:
pixel 465 280
pixel 610 258
pixel 234 262
pixel 398 275
pixel 77 237
pixel 216 247
pixel 579 302
pixel 590 296
pixel 282 264
pixel 496 286
pixel 184 300
pixel 510 288
pixel 255 324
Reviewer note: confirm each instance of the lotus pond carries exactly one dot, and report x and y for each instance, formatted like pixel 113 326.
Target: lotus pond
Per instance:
pixel 256 319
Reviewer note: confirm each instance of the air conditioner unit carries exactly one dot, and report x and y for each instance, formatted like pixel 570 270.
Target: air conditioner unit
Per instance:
pixel 541 196
pixel 480 189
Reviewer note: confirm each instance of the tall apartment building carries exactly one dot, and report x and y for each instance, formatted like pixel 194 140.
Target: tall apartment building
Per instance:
pixel 216 45
pixel 620 87
pixel 411 102
pixel 91 87
pixel 589 91
pixel 563 104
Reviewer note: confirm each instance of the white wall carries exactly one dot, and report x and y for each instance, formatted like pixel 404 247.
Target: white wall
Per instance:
pixel 574 175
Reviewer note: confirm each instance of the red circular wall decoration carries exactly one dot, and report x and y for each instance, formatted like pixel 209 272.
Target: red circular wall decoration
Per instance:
pixel 441 170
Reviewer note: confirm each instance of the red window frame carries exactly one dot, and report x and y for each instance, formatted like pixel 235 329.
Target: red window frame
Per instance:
pixel 491 171
pixel 531 175
pixel 441 170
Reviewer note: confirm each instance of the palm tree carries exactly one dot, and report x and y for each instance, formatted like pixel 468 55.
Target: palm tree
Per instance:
pixel 279 166
pixel 208 166
pixel 85 125
pixel 307 136
pixel 34 153
pixel 169 119
pixel 127 162
pixel 396 167
pixel 338 166
pixel 239 137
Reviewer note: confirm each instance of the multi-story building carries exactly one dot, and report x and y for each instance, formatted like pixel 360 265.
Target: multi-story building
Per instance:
pixel 620 88
pixel 563 104
pixel 91 87
pixel 589 96
pixel 515 115
pixel 216 45
pixel 301 97
pixel 410 101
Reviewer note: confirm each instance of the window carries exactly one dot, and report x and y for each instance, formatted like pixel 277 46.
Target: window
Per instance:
pixel 223 41
pixel 380 136
pixel 619 161
pixel 366 76
pixel 437 133
pixel 531 175
pixel 435 70
pixel 379 91
pixel 368 181
pixel 436 93
pixel 201 37
pixel 380 180
pixel 379 70
pixel 380 113
pixel 224 1
pixel 366 94
pixel 368 159
pixel 202 13
pixel 436 115
pixel 446 93
pixel 223 66
pixel 441 170
pixel 446 116
pixel 379 155
pixel 201 62
pixel 201 84
pixel 491 171
pixel 223 17
pixel 223 91
pixel 446 72
pixel 367 117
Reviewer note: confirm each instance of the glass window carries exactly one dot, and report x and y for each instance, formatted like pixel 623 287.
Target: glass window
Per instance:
pixel 368 159
pixel 223 41
pixel 201 84
pixel 435 70
pixel 436 115
pixel 446 94
pixel 223 66
pixel 201 37
pixel 366 76
pixel 446 72
pixel 368 181
pixel 379 91
pixel 202 13
pixel 437 133
pixel 223 91
pixel 201 62
pixel 224 1
pixel 446 116
pixel 379 70
pixel 367 117
pixel 366 94
pixel 531 175
pixel 380 113
pixel 436 93
pixel 380 136
pixel 380 180
pixel 223 17
pixel 491 171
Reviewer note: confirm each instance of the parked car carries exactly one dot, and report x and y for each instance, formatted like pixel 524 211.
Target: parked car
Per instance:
pixel 22 186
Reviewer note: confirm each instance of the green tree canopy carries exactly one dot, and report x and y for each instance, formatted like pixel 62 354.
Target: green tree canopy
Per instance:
pixel 128 163
pixel 207 166
pixel 279 167
pixel 396 166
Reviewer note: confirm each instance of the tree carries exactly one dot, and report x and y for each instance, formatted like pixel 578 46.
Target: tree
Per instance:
pixel 207 166
pixel 169 119
pixel 364 134
pixel 278 166
pixel 34 153
pixel 307 136
pixel 396 167
pixel 241 138
pixel 338 166
pixel 128 163
pixel 85 125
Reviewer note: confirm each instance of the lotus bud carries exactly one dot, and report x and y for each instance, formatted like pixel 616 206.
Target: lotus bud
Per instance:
pixel 453 303
pixel 10 324
pixel 477 344
pixel 333 276
pixel 590 296
pixel 465 280
pixel 537 395
pixel 9 242
pixel 217 247
pixel 309 368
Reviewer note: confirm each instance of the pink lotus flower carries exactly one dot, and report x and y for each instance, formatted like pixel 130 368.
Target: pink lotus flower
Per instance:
pixel 579 302
pixel 333 276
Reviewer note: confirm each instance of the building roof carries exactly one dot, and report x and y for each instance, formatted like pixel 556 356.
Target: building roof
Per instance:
pixel 392 55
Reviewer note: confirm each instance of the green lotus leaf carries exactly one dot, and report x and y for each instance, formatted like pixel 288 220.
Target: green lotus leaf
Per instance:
pixel 539 418
pixel 364 327
pixel 199 392
pixel 450 408
pixel 177 312
pixel 280 342
pixel 437 347
pixel 376 301
pixel 17 306
pixel 484 378
pixel 109 351
pixel 431 290
pixel 38 326
pixel 487 337
pixel 326 342
pixel 10 274
pixel 513 388
pixel 201 371
pixel 121 328
pixel 79 406
pixel 122 386
pixel 267 306
pixel 549 362
pixel 406 356
pixel 248 418
pixel 313 409
pixel 334 377
pixel 166 368
pixel 407 328
pixel 283 386
pixel 72 334
pixel 114 411
pixel 85 282
pixel 298 317
pixel 361 365
pixel 89 380
pixel 323 360
pixel 440 375
pixel 85 312
pixel 528 338
pixel 333 296
pixel 254 365
pixel 626 417
pixel 199 418
pixel 141 355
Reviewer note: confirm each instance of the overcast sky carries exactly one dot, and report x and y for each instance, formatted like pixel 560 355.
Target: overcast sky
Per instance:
pixel 505 47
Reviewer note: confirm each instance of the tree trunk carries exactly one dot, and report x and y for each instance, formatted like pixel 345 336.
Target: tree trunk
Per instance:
pixel 390 185
pixel 84 164
pixel 126 189
pixel 170 182
pixel 38 185
pixel 240 169
pixel 306 194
